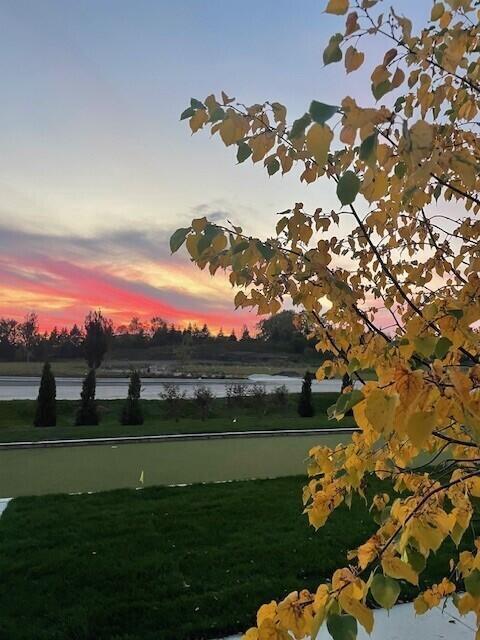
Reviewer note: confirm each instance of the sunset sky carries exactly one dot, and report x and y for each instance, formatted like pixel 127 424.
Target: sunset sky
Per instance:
pixel 96 170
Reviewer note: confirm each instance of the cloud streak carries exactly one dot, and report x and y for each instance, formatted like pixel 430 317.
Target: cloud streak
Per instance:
pixel 124 272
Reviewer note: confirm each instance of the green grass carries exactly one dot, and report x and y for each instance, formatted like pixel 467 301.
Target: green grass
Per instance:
pixel 165 563
pixel 16 419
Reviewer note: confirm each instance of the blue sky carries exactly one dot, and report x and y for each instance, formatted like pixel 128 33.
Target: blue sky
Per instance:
pixel 93 146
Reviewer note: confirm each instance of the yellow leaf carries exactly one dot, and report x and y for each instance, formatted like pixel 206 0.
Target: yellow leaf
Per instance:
pixel 231 129
pixel 261 145
pixel 380 410
pixel 199 118
pixel 420 605
pixel 376 187
pixel 438 10
pixel 366 553
pixel 396 568
pixel 353 59
pixel 319 137
pixel 358 610
pixel 420 426
pixel 266 611
pixel 421 135
pixel 337 7
pixel 268 630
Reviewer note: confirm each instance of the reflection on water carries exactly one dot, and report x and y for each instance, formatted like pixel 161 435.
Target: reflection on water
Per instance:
pixel 26 388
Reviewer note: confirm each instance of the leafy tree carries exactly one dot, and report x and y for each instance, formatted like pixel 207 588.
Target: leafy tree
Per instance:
pixel 173 398
pixel 8 338
pixel 203 399
pixel 245 334
pixel 305 404
pixel 279 327
pixel 403 300
pixel 87 413
pixel 279 397
pixel 28 334
pixel 98 331
pixel 132 411
pixel 46 413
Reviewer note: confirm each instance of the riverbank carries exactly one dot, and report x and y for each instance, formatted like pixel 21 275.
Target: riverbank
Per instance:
pixel 291 365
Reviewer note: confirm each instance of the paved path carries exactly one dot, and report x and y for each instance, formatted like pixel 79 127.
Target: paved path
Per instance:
pixel 401 623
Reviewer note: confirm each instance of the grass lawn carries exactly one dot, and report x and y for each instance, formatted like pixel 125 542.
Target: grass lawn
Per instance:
pixel 164 563
pixel 16 419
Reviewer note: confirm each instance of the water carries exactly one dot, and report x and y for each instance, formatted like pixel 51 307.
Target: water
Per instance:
pixel 26 388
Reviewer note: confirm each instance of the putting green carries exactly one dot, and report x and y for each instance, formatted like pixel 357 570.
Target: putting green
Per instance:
pixel 103 467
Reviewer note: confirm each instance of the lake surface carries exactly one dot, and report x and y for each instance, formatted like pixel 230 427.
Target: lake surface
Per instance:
pixel 26 388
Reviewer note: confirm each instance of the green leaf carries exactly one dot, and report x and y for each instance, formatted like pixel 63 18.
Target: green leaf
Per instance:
pixel 379 90
pixel 456 313
pixel 368 149
pixel 344 403
pixel 188 113
pixel 265 249
pixel 415 559
pixel 442 347
pixel 353 365
pixel 273 167
pixel 241 246
pixel 399 103
pixel 400 169
pixel 437 192
pixel 196 104
pixel 299 126
pixel 348 187
pixel 211 231
pixel 333 53
pixel 322 112
pixel 472 583
pixel 385 590
pixel 203 243
pixel 425 345
pixel 342 627
pixel 217 115
pixel 243 152
pixel 178 238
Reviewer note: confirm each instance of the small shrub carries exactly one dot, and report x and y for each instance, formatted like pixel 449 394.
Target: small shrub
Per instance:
pixel 87 413
pixel 45 414
pixel 236 394
pixel 305 405
pixel 257 396
pixel 203 399
pixel 132 411
pixel 174 400
pixel 279 397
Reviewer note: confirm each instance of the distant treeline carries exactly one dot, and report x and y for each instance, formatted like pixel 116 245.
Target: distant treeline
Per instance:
pixel 24 341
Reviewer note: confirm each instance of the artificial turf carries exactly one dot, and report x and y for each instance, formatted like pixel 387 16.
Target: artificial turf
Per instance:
pixel 165 563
